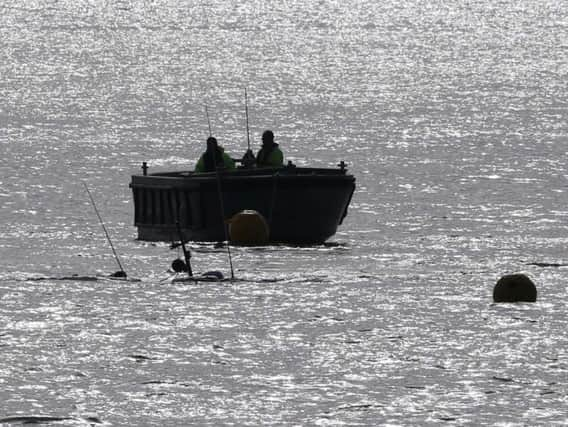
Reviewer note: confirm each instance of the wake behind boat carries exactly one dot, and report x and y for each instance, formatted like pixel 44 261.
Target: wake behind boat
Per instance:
pixel 301 205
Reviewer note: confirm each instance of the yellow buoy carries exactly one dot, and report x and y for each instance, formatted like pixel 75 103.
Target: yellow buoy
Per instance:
pixel 248 227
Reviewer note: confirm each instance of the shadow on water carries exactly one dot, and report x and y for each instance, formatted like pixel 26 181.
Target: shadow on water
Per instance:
pixel 45 419
pixel 214 247
pixel 72 278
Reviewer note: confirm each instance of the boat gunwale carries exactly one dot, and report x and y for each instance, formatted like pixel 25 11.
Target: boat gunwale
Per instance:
pixel 183 177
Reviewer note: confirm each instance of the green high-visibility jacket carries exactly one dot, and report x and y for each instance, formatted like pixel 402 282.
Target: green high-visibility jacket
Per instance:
pixel 228 162
pixel 270 157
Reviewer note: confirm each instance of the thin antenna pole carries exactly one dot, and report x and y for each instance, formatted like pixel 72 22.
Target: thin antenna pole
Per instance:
pixel 104 228
pixel 208 121
pixel 247 118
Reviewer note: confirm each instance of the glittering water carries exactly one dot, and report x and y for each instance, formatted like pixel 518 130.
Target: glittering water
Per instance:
pixel 453 118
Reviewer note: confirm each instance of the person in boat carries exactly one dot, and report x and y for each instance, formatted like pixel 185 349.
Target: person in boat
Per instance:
pixel 270 154
pixel 248 161
pixel 214 157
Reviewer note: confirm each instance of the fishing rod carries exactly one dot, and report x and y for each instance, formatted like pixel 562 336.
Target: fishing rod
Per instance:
pixel 248 159
pixel 208 121
pixel 247 120
pixel 120 273
pixel 186 253
pixel 221 204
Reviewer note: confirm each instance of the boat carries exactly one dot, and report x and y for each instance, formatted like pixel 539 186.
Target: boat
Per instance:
pixel 301 205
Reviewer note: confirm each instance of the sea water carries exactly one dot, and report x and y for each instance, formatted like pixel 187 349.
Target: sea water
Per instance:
pixel 453 117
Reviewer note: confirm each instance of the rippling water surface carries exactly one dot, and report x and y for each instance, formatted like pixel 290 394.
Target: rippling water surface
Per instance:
pixel 452 117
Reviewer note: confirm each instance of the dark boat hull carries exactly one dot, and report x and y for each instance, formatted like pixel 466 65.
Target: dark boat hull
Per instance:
pixel 301 205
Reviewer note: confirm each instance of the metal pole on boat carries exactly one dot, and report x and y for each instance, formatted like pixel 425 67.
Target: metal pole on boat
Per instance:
pixel 273 198
pixel 120 273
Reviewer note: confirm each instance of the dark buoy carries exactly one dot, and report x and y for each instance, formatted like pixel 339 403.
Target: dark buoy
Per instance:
pixel 179 266
pixel 514 288
pixel 119 274
pixel 216 275
pixel 248 227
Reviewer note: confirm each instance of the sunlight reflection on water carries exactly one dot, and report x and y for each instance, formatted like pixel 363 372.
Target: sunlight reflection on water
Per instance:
pixel 449 115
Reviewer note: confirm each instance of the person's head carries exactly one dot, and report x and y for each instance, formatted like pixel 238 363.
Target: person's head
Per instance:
pixel 211 143
pixel 267 137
